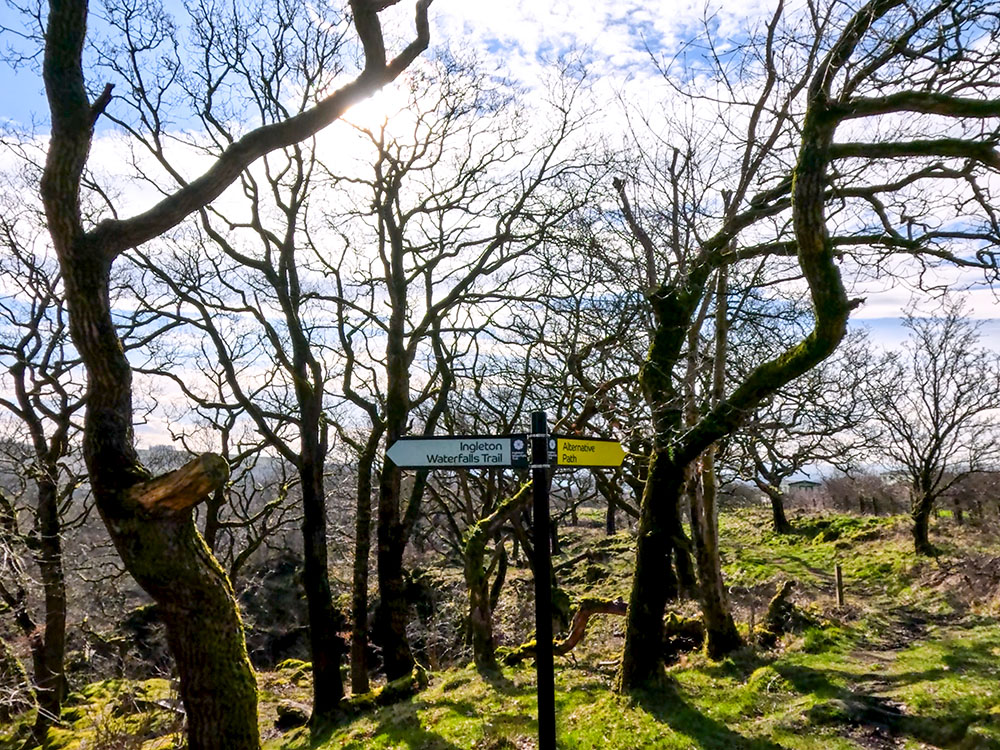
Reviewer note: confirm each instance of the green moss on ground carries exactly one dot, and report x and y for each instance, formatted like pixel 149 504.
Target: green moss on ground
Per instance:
pixel 127 714
pixel 908 663
pixel 901 665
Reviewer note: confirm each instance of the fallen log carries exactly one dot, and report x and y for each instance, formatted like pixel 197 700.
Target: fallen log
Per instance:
pixel 394 692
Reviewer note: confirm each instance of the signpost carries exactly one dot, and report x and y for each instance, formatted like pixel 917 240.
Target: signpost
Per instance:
pixel 544 667
pixel 545 451
pixel 588 452
pixel 462 452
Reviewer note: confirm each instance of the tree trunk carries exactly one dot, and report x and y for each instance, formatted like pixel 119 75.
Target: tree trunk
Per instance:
pixel 480 609
pixel 654 582
pixel 481 598
pixel 687 577
pixel 500 577
pixel 48 645
pixel 326 647
pixel 362 550
pixel 923 504
pixel 778 518
pixel 609 486
pixel 721 636
pixel 217 682
pixel 213 508
pixel 392 613
pixel 151 524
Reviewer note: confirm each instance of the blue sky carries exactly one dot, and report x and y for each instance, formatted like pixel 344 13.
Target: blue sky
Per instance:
pixel 613 38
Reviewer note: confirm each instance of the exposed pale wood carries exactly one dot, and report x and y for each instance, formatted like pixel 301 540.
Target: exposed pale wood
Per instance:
pixel 184 487
pixel 587 609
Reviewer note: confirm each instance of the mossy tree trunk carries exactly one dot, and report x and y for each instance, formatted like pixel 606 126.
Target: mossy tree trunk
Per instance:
pixel 654 582
pixel 154 532
pixel 674 303
pixel 149 520
pixel 482 597
pixel 480 602
pixel 362 550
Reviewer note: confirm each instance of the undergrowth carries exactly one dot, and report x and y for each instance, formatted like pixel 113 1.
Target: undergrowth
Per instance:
pixel 910 661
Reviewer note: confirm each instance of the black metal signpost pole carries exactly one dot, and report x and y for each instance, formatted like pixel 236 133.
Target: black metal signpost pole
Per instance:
pixel 497 451
pixel 543 583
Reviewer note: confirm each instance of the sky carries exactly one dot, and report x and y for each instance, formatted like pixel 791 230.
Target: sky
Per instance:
pixel 618 41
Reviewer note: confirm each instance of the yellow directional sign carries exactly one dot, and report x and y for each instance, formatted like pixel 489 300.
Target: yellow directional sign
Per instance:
pixel 588 452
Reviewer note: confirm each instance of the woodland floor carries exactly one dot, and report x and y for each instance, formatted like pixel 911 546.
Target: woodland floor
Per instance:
pixel 911 661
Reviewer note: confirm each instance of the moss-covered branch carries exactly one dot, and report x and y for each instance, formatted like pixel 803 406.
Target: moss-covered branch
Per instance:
pixel 957 148
pixel 920 102
pixel 476 576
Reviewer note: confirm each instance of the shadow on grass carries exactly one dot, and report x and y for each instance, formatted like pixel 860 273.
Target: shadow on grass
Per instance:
pixel 668 706
pixel 400 724
pixel 843 706
pixel 789 564
pixel 739 665
pixel 408 731
pixel 499 681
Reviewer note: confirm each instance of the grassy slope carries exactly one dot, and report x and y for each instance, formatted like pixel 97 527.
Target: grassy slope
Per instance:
pixel 911 661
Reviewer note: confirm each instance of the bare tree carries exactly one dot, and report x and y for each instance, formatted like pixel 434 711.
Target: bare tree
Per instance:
pixel 796 189
pixel 817 418
pixel 458 198
pixel 937 406
pixel 259 503
pixel 150 519
pixel 43 378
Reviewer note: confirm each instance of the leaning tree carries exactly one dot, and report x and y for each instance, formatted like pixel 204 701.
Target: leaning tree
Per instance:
pixel 860 132
pixel 150 519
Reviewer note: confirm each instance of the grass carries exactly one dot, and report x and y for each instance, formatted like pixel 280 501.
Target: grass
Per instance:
pixel 110 715
pixel 912 661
